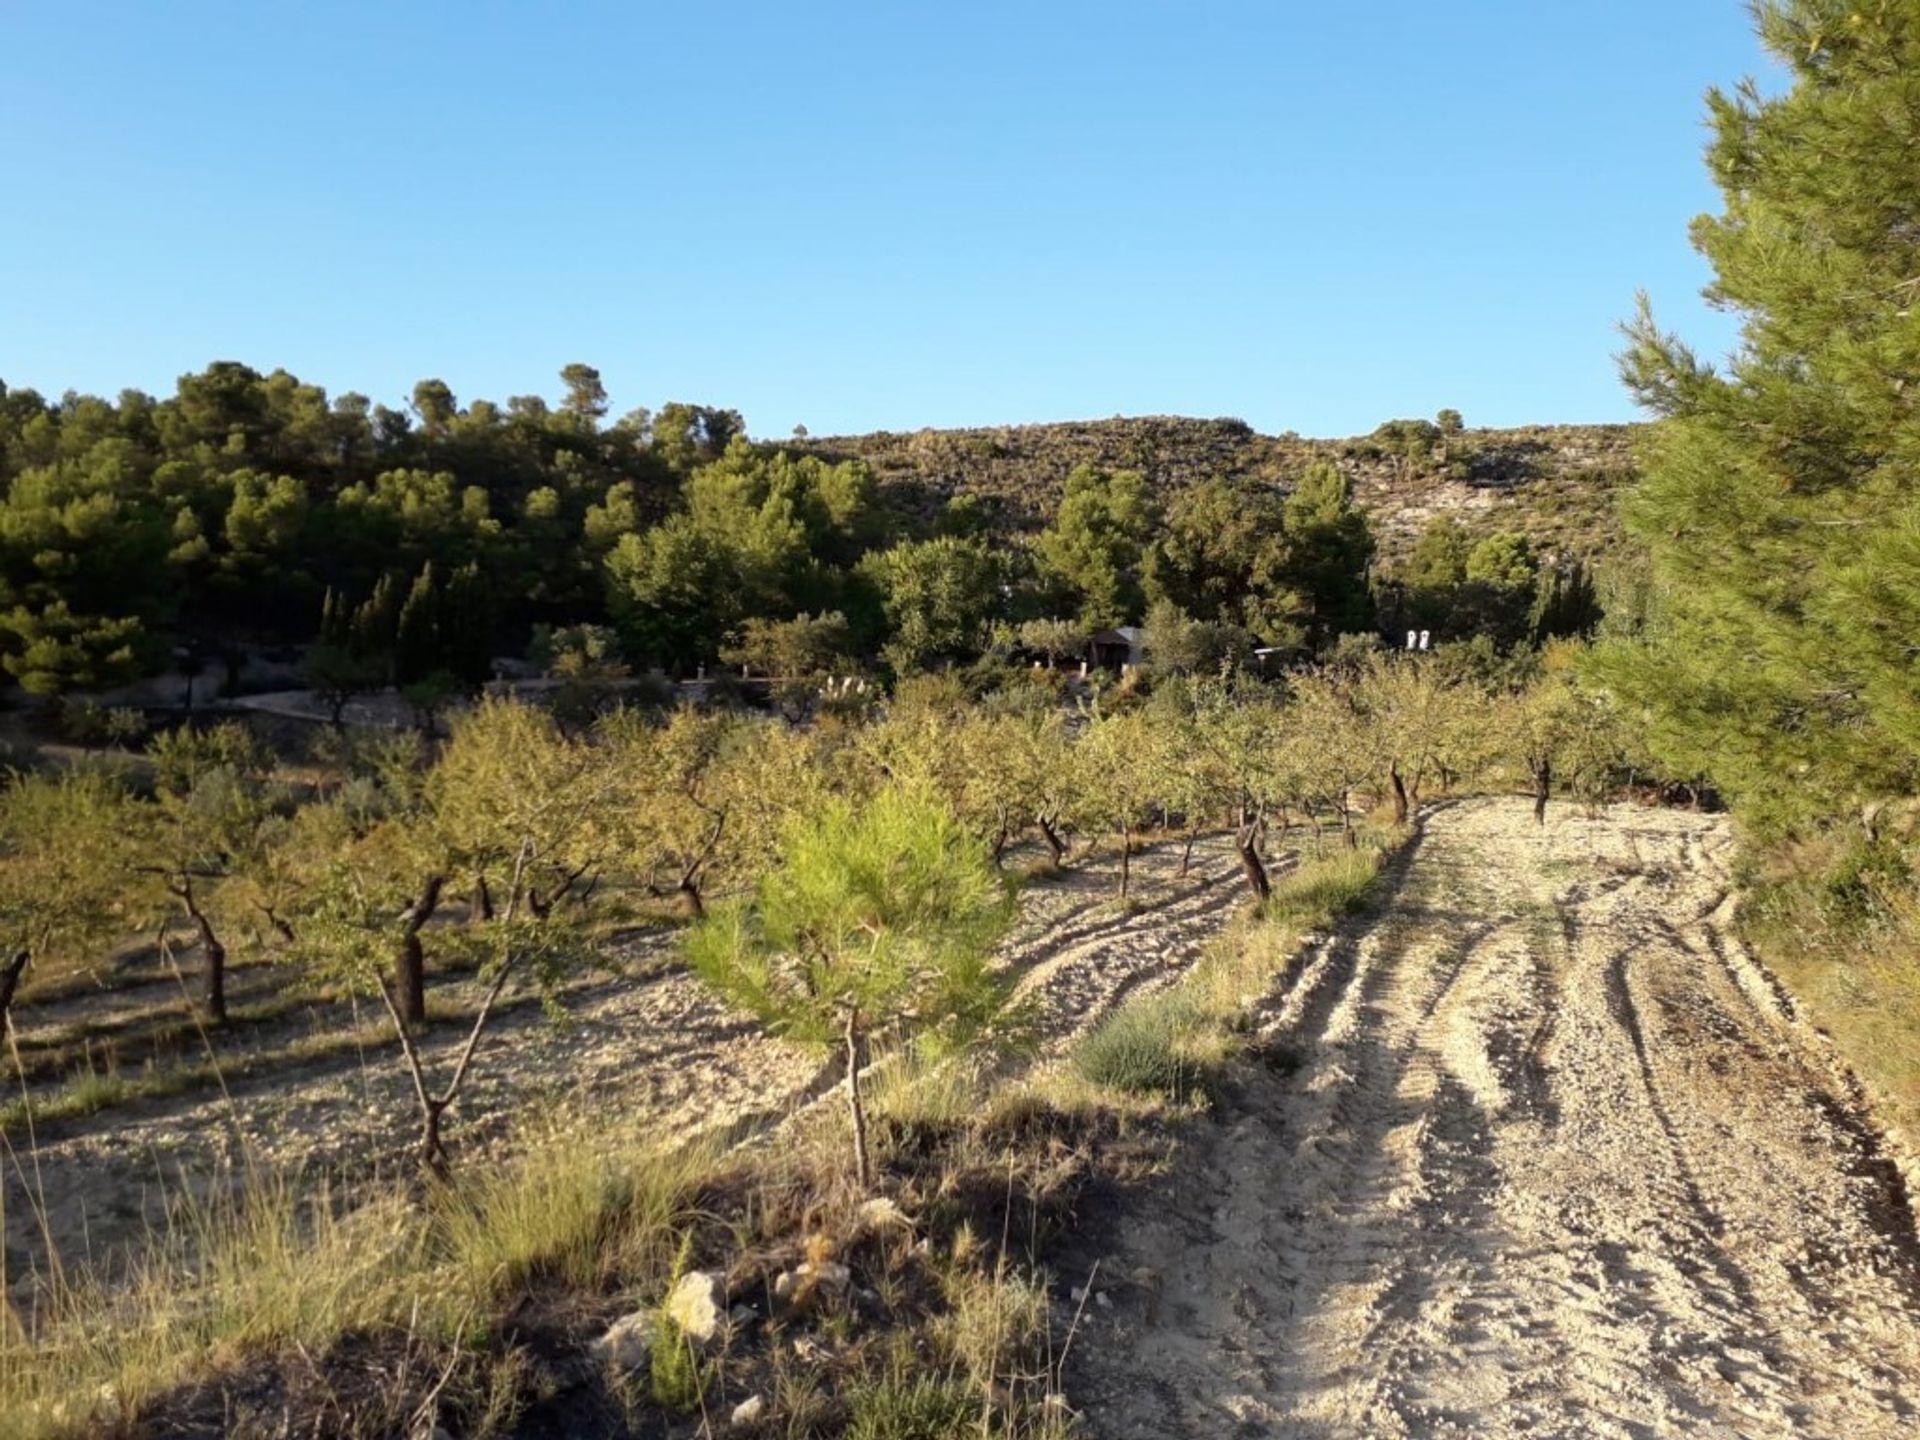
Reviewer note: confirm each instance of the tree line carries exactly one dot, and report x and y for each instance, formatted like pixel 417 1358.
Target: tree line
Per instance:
pixel 409 546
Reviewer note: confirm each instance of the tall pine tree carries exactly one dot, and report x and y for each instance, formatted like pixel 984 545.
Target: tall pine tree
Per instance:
pixel 1781 496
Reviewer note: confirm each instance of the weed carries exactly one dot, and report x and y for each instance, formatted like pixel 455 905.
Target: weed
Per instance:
pixel 917 1408
pixel 1137 1050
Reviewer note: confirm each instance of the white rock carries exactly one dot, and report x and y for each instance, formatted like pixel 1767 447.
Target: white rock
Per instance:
pixel 807 1279
pixel 749 1410
pixel 627 1343
pixel 698 1306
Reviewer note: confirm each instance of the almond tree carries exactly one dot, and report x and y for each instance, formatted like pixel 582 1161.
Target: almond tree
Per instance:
pixel 1341 745
pixel 518 801
pixel 63 856
pixel 211 804
pixel 1122 764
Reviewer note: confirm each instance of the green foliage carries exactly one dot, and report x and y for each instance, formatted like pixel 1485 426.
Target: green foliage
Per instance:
pixel 1176 643
pixel 1053 640
pixel 676 1380
pixel 1096 548
pixel 883 910
pixel 1779 505
pixel 806 645
pixel 1329 546
pixel 938 596
pixel 920 1408
pixel 65 844
pixel 1137 1050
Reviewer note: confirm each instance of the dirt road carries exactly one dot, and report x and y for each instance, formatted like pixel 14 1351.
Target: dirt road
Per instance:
pixel 1547 1156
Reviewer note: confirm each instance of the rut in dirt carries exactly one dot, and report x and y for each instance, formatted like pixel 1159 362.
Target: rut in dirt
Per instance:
pixel 1556 1160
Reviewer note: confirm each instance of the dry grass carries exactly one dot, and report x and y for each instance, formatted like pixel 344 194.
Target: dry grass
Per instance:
pixel 1840 925
pixel 280 1265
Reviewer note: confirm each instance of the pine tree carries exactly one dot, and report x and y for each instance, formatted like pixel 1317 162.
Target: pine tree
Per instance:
pixel 1780 500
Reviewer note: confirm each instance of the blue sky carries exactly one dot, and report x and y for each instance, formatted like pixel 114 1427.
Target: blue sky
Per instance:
pixel 860 216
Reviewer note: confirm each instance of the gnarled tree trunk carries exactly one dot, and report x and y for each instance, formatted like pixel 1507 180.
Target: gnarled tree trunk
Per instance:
pixel 1247 841
pixel 410 965
pixel 212 951
pixel 1542 789
pixel 1054 842
pixel 1400 804
pixel 10 981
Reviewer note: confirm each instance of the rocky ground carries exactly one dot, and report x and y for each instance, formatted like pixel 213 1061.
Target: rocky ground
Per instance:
pixel 1541 1151
pixel 641 1041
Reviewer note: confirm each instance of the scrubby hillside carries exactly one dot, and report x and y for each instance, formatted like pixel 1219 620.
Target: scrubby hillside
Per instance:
pixel 1553 483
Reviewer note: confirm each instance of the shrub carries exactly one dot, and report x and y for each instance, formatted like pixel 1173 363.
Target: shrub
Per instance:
pixel 1138 1049
pixel 919 1409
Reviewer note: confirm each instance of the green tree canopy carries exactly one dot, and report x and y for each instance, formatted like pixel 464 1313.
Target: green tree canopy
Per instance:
pixel 1779 502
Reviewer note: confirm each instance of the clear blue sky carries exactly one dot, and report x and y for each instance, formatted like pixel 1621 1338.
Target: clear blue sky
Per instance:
pixel 859 216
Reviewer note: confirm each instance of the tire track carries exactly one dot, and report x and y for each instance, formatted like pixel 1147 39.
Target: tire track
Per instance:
pixel 1555 1163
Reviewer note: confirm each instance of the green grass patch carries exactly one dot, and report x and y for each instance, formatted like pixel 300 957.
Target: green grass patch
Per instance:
pixel 1138 1050
pixel 920 1408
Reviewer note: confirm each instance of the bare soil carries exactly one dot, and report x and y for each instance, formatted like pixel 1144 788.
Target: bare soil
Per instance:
pixel 642 1043
pixel 1550 1155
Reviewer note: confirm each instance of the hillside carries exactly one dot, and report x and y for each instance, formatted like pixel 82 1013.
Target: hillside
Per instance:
pixel 1554 483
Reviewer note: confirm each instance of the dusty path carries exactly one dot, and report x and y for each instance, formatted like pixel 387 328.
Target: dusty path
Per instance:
pixel 1555 1161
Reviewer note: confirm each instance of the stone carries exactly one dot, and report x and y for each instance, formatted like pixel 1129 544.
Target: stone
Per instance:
pixel 749 1410
pixel 809 1279
pixel 698 1306
pixel 627 1344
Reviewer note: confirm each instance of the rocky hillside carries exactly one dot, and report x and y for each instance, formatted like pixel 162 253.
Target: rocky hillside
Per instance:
pixel 1555 483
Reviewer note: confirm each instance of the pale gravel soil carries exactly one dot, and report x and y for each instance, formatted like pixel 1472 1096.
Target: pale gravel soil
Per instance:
pixel 650 1050
pixel 1557 1161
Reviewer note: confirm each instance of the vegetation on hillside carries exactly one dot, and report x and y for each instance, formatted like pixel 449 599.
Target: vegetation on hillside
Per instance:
pixel 409 547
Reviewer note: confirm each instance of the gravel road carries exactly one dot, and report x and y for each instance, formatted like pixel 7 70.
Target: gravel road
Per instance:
pixel 1549 1156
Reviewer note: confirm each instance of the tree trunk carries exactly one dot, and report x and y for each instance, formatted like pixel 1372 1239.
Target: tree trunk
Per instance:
pixel 481 910
pixel 1346 822
pixel 410 967
pixel 10 981
pixel 433 1150
pixel 1000 838
pixel 1400 806
pixel 689 889
pixel 1251 865
pixel 1186 852
pixel 1054 842
pixel 862 1166
pixel 1542 788
pixel 215 955
pixel 1126 861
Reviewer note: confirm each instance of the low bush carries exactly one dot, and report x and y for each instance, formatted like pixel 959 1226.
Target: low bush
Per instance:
pixel 1138 1049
